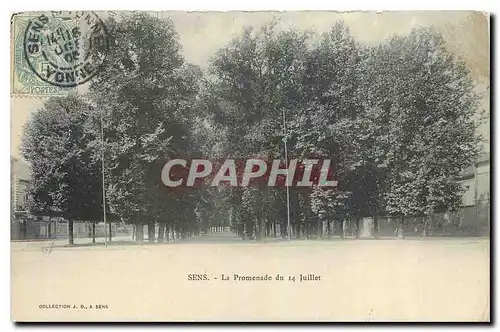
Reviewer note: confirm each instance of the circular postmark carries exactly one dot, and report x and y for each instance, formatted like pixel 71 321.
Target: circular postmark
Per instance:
pixel 66 49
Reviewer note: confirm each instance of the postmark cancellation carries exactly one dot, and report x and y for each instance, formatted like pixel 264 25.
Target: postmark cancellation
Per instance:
pixel 55 52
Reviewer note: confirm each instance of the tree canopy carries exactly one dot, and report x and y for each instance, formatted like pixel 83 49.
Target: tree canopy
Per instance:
pixel 397 120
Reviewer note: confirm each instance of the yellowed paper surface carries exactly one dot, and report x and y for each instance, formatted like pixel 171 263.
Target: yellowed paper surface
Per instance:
pixel 419 278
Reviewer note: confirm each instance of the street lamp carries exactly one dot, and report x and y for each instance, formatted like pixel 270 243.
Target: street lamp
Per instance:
pixel 103 187
pixel 285 138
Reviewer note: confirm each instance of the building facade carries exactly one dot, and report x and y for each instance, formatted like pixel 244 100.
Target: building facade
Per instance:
pixel 20 177
pixel 476 199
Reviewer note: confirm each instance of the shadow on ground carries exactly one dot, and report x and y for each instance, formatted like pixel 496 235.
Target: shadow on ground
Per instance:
pixel 233 239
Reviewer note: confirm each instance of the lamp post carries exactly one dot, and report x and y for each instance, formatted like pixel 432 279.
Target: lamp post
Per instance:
pixel 103 187
pixel 285 138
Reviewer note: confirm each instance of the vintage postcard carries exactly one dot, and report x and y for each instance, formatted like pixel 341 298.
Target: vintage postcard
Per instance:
pixel 264 166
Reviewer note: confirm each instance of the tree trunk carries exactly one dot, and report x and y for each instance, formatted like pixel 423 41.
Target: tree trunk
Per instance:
pixel 400 227
pixel 341 227
pixel 93 232
pixel 133 232
pixel 320 228
pixel 151 232
pixel 139 232
pixel 24 228
pixel 262 229
pixel 256 232
pixel 167 233
pixel 70 232
pixel 375 227
pixel 429 223
pixel 357 230
pixel 110 234
pixel 161 232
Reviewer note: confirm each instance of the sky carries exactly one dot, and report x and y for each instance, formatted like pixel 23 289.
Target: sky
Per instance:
pixel 201 34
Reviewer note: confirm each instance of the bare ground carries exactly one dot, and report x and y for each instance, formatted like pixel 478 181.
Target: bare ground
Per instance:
pixel 364 280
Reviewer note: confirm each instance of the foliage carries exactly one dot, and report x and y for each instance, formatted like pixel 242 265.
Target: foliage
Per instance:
pixel 397 119
pixel 66 181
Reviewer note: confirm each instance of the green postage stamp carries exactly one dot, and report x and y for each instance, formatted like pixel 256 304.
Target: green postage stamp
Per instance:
pixel 24 81
pixel 54 52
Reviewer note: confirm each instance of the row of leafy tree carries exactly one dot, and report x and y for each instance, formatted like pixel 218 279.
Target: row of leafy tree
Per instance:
pixel 397 119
